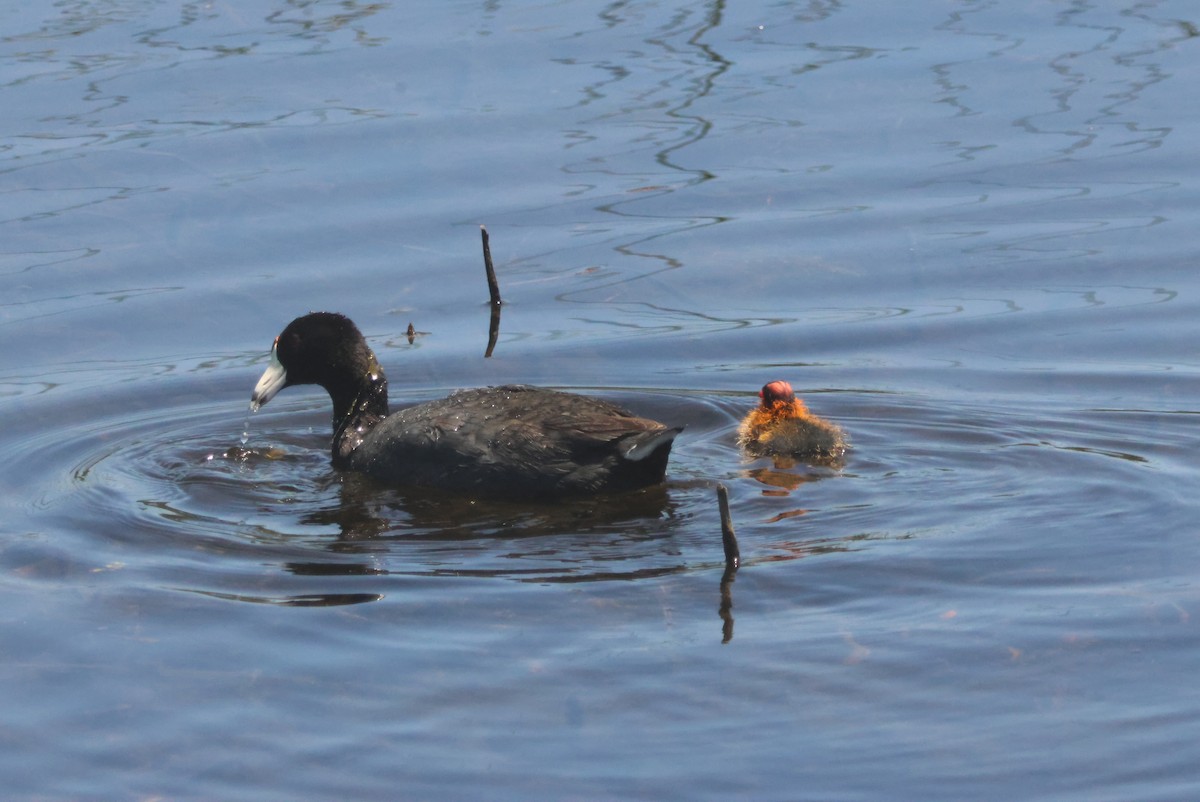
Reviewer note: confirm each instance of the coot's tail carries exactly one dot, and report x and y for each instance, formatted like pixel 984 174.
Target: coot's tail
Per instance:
pixel 643 459
pixel 647 445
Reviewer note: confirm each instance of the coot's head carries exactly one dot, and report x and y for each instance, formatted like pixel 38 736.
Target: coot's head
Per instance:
pixel 322 348
pixel 776 392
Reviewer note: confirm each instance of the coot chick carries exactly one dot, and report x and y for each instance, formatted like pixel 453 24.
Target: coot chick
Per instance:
pixel 497 441
pixel 781 426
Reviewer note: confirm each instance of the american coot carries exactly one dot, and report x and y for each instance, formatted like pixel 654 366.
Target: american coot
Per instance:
pixel 781 426
pixel 511 440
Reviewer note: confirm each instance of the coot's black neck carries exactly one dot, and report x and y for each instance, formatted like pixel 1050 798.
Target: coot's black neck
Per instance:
pixel 357 407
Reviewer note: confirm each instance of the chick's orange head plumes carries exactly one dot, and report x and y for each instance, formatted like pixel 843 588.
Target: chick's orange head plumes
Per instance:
pixel 779 400
pixel 775 392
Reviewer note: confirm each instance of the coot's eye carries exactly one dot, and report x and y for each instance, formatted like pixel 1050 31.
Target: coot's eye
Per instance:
pixel 286 344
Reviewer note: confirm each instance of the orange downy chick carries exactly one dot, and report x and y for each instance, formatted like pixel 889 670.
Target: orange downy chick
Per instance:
pixel 783 427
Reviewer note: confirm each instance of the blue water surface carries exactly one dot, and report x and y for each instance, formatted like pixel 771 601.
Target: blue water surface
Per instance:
pixel 963 230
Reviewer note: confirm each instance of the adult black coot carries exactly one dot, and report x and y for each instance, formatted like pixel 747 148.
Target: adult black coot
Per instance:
pixel 511 440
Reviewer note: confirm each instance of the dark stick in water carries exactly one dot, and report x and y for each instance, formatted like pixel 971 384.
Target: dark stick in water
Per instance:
pixel 733 555
pixel 493 285
pixel 494 292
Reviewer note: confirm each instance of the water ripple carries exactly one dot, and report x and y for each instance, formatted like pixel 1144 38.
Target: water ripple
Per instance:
pixel 161 492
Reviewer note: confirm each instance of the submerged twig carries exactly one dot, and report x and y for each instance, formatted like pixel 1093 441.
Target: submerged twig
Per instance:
pixel 733 558
pixel 725 610
pixel 493 331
